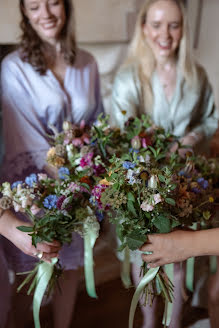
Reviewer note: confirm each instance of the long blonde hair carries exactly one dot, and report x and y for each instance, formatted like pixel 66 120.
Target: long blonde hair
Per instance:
pixel 140 52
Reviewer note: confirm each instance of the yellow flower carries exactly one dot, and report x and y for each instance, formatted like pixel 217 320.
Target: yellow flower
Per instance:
pixel 211 199
pixel 105 182
pixel 59 161
pixel 51 152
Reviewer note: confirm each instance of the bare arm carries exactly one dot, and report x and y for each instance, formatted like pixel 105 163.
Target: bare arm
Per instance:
pixel 180 245
pixel 8 228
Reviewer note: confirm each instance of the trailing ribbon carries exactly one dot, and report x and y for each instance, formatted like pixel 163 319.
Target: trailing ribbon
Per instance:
pixel 89 242
pixel 169 269
pixel 43 277
pixel 190 267
pixel 213 264
pixel 148 277
pixel 126 268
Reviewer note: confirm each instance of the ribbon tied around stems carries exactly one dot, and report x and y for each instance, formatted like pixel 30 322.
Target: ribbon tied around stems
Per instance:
pixel 90 235
pixel 44 274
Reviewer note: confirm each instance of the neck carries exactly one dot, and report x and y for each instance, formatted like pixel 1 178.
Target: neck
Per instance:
pixel 166 64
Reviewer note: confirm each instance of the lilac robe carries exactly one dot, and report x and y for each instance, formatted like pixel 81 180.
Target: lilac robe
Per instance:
pixel 30 103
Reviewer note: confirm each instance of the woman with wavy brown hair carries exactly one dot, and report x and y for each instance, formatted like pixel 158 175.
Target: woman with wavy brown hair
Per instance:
pixel 46 81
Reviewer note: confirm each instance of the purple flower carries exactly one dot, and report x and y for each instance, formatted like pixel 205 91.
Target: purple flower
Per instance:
pixel 98 170
pixel 86 160
pixel 99 216
pixel 50 202
pixel 60 202
pixel 203 183
pixel 31 179
pixel 128 165
pixel 196 190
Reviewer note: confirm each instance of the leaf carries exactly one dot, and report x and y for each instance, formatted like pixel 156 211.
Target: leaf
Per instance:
pixel 131 197
pixel 135 240
pixel 25 229
pixel 161 178
pixel 162 223
pixel 206 215
pixel 131 208
pixel 170 201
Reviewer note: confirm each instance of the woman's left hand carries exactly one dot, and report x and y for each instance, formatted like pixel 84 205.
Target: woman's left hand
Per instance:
pixel 167 248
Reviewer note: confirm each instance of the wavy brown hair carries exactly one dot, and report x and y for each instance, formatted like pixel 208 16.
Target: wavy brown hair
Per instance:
pixel 32 47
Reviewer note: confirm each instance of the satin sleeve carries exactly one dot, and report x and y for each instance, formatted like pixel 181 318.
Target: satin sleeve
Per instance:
pixel 125 97
pixel 23 132
pixel 207 115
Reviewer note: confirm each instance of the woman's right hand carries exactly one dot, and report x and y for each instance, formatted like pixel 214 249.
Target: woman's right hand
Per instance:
pixel 8 228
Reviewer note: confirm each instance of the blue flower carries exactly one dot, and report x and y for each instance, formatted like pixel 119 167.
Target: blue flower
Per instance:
pixel 99 216
pixel 15 184
pixel 183 173
pixel 50 202
pixel 128 165
pixel 132 150
pixel 63 173
pixel 196 190
pixel 203 183
pixel 31 179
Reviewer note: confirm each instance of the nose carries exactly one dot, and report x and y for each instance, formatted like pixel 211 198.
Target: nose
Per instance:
pixel 45 11
pixel 165 31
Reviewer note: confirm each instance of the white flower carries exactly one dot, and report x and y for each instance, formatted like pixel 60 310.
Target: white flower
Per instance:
pixel 6 191
pixel 70 151
pixel 42 176
pixel 152 183
pixel 146 207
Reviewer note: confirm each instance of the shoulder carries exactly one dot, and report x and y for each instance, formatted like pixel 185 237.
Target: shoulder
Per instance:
pixel 84 59
pixel 11 60
pixel 127 71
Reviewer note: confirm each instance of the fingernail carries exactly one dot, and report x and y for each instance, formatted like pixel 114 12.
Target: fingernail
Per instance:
pixel 148 266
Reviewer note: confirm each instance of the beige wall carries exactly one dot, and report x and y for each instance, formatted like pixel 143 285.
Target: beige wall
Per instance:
pixel 9 21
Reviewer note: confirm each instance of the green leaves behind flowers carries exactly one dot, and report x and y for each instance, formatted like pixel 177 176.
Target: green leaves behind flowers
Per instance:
pixel 135 240
pixel 162 223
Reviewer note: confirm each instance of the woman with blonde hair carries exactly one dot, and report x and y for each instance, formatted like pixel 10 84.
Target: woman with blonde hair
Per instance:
pixel 161 78
pixel 46 81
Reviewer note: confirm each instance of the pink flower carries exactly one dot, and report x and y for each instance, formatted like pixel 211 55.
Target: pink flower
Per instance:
pixel 42 176
pixel 157 199
pixel 147 207
pixel 60 202
pixel 34 209
pixel 86 160
pixel 77 142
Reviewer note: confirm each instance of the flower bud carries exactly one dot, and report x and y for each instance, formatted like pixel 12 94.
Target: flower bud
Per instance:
pixel 136 143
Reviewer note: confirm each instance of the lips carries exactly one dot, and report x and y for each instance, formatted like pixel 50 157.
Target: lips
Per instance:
pixel 49 25
pixel 165 45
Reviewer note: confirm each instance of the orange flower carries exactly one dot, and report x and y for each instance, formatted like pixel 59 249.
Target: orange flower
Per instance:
pixel 86 180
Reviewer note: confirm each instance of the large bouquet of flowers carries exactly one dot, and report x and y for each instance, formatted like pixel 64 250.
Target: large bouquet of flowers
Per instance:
pixel 149 190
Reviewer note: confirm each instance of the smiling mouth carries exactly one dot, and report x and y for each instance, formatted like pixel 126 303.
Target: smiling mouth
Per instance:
pixel 48 26
pixel 165 45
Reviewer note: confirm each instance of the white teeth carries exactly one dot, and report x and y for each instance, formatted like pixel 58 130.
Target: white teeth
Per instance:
pixel 49 25
pixel 164 44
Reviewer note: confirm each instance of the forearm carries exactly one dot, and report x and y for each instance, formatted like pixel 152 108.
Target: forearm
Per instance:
pixel 205 242
pixel 8 225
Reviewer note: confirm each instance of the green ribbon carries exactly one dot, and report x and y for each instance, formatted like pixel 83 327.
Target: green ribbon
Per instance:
pixel 213 264
pixel 148 277
pixel 169 269
pixel 190 265
pixel 126 268
pixel 43 277
pixel 89 242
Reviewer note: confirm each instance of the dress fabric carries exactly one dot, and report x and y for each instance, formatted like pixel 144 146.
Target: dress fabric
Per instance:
pixel 31 103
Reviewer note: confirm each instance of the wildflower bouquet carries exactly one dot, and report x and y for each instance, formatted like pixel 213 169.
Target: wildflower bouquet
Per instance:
pixel 150 190
pixel 56 208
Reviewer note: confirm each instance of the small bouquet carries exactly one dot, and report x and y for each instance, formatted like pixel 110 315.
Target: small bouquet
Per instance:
pixel 56 209
pixel 151 191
